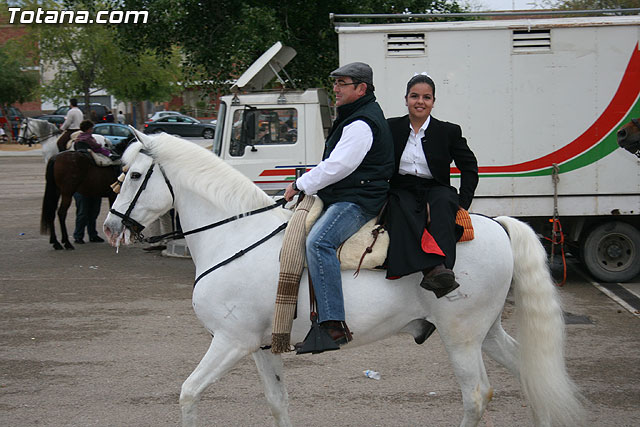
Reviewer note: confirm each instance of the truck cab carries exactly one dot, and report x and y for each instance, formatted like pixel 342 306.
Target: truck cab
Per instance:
pixel 271 135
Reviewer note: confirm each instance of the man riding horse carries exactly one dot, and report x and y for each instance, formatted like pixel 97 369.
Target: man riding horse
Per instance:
pixel 352 181
pixel 71 124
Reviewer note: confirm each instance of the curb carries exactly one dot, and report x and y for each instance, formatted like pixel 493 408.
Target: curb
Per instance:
pixel 30 153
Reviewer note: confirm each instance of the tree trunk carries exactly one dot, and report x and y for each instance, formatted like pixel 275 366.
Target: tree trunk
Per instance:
pixel 140 115
pixel 87 104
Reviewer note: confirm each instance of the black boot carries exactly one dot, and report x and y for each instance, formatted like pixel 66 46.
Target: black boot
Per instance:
pixel 440 280
pixel 326 336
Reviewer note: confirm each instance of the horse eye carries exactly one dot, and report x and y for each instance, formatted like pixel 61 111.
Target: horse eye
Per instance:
pixel 135 175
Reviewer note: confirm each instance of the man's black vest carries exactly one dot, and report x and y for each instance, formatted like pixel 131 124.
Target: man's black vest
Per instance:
pixel 368 185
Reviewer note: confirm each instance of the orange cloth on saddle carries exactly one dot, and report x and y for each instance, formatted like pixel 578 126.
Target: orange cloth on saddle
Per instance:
pixel 463 219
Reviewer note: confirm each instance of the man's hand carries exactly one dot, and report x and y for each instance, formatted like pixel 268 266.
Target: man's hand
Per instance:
pixel 289 192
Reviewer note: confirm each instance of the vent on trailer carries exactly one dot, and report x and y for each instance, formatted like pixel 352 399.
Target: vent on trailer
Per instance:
pixel 527 41
pixel 406 44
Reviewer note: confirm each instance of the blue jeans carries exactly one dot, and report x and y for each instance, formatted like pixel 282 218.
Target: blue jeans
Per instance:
pixel 87 211
pixel 337 224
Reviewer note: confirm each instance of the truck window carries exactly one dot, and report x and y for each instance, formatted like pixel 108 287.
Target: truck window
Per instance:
pixel 276 126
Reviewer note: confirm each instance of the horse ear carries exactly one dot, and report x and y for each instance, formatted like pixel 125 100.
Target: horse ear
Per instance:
pixel 139 135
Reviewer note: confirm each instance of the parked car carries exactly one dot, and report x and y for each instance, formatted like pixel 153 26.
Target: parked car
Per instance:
pixel 115 132
pixel 13 117
pixel 4 123
pixel 160 114
pixel 98 112
pixel 182 126
pixel 51 118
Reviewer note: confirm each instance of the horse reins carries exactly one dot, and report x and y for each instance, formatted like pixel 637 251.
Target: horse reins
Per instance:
pixel 181 234
pixel 136 228
pixel 35 137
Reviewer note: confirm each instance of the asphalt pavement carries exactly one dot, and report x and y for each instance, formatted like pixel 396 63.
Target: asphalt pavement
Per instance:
pixel 92 337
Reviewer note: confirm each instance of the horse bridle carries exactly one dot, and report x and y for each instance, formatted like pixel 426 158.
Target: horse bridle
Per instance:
pixel 130 223
pixel 136 228
pixel 24 139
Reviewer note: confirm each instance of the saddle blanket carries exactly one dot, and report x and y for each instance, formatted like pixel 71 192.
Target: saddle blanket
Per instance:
pixel 99 159
pixel 351 251
pixel 355 248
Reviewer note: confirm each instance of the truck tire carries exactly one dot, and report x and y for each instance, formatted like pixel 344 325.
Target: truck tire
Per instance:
pixel 611 252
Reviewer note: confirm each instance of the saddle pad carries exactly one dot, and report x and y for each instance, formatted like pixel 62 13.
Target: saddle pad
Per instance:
pixel 72 140
pixel 464 220
pixel 102 160
pixel 351 251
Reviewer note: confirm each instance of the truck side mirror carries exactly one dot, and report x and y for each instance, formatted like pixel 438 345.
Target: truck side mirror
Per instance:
pixel 249 125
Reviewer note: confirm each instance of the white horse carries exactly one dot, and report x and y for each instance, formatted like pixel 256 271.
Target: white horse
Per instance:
pixel 34 131
pixel 236 302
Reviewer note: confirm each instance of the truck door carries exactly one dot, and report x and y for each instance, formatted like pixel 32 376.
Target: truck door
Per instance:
pixel 265 144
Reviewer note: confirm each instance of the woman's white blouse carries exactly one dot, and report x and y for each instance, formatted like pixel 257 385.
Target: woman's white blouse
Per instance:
pixel 413 161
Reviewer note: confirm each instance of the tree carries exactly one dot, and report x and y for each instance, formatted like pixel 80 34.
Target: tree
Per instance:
pixel 82 54
pixel 221 38
pixel 145 77
pixel 87 58
pixel 16 84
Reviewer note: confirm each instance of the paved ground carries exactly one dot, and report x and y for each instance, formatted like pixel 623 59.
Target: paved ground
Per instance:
pixel 94 338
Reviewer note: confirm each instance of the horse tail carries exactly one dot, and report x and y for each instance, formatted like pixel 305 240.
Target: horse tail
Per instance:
pixel 554 397
pixel 50 200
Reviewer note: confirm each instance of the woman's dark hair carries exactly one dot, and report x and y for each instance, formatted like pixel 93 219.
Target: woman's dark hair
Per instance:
pixel 420 78
pixel 86 125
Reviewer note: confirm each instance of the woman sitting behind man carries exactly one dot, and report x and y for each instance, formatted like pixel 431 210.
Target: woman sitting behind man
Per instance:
pixel 421 195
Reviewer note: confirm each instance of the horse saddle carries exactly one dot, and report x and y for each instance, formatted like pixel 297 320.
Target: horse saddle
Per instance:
pixel 99 160
pixel 368 247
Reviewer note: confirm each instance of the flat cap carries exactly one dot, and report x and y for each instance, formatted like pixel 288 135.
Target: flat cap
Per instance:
pixel 357 71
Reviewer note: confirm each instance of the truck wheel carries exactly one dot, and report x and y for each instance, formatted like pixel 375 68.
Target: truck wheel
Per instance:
pixel 611 252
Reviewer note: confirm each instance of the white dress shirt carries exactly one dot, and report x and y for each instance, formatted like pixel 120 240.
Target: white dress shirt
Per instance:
pixel 413 161
pixel 73 119
pixel 355 142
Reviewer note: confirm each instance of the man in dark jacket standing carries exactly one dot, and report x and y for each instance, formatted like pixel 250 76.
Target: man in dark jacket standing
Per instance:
pixel 352 180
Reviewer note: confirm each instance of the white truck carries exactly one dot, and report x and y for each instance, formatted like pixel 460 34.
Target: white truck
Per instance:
pixel 539 100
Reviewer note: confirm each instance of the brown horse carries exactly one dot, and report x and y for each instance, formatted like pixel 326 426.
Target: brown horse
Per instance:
pixel 629 137
pixel 67 173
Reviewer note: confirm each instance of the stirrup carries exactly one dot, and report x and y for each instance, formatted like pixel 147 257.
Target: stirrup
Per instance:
pixel 317 340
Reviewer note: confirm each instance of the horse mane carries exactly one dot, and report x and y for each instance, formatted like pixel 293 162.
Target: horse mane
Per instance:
pixel 200 170
pixel 44 126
